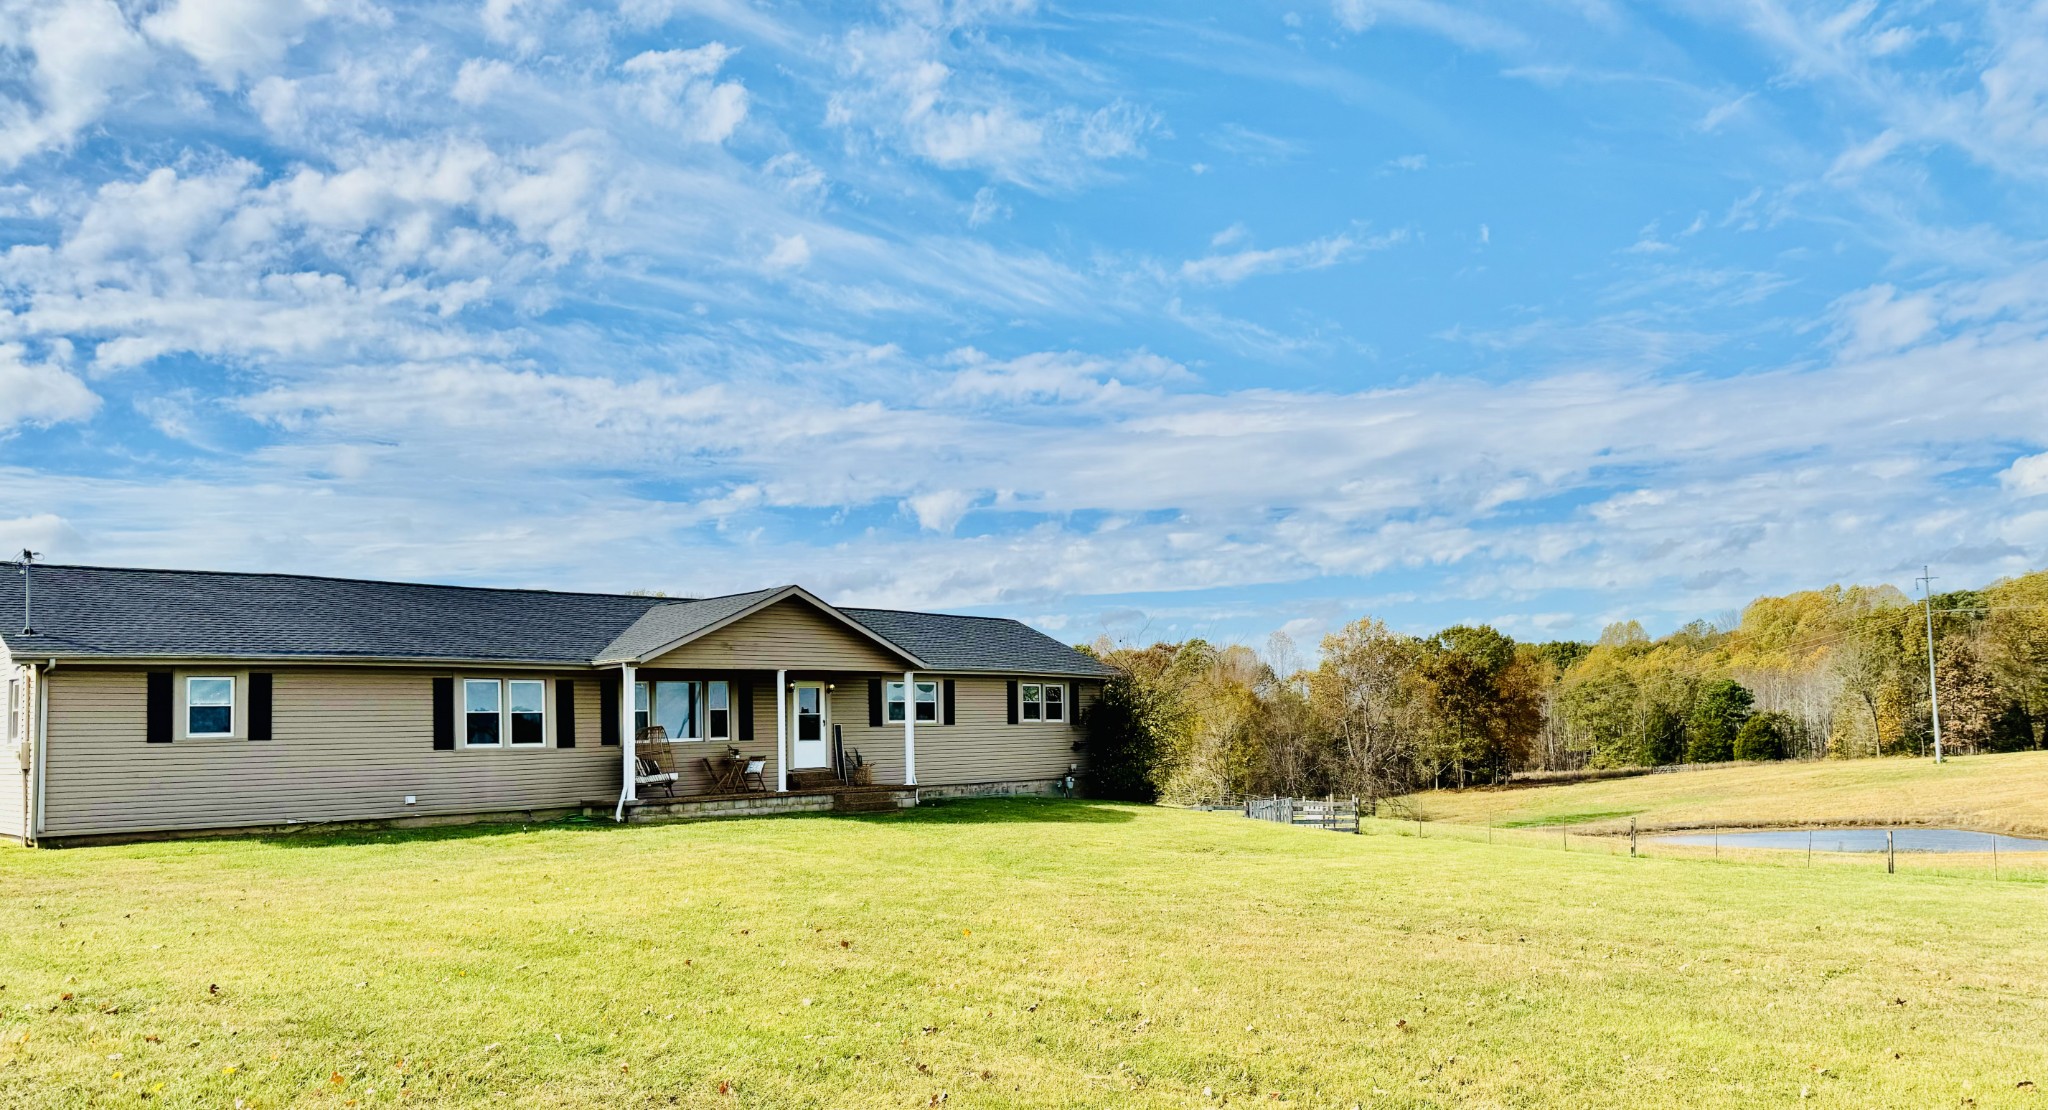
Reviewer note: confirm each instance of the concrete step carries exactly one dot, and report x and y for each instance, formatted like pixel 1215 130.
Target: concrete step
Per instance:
pixel 867 803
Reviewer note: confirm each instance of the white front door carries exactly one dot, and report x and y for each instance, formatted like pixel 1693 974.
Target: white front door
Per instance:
pixel 808 747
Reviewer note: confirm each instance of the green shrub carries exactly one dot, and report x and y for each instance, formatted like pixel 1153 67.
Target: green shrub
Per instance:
pixel 1122 742
pixel 1763 736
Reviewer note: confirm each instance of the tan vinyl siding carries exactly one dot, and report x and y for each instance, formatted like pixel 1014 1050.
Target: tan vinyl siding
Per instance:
pixel 980 746
pixel 349 745
pixel 789 634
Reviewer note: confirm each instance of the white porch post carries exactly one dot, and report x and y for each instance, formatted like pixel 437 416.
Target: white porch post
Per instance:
pixel 781 731
pixel 628 742
pixel 909 728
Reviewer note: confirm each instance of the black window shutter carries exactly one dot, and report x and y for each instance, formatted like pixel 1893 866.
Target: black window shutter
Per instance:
pixel 157 709
pixel 948 694
pixel 874 703
pixel 565 713
pixel 1074 704
pixel 259 705
pixel 608 712
pixel 1013 701
pixel 444 714
pixel 744 691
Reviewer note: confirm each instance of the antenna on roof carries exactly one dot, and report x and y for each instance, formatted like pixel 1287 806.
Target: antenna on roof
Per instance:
pixel 28 559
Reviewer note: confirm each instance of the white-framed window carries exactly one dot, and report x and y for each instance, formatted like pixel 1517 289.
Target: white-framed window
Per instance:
pixel 209 705
pixel 526 703
pixel 687 711
pixel 483 716
pixel 718 711
pixel 14 710
pixel 1041 701
pixel 927 701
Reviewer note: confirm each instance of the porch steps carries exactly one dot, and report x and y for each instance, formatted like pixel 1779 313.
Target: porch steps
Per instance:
pixel 813 780
pixel 871 801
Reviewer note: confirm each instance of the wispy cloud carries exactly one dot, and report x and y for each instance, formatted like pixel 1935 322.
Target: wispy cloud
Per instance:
pixel 1316 254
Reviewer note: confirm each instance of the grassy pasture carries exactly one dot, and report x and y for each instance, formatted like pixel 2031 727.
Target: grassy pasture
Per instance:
pixel 1004 953
pixel 1992 793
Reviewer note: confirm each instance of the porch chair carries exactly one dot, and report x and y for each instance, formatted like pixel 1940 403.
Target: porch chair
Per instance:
pixel 752 778
pixel 654 760
pixel 727 775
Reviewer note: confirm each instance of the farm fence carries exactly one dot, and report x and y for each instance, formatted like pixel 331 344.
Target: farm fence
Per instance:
pixel 1334 814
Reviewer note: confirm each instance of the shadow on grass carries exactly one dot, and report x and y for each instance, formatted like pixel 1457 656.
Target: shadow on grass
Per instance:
pixel 316 836
pixel 1017 810
pixel 943 811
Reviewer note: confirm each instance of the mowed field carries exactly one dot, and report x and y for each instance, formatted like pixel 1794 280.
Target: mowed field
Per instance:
pixel 1991 793
pixel 1001 953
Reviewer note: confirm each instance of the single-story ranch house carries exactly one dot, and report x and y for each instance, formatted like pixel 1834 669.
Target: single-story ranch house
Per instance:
pixel 148 702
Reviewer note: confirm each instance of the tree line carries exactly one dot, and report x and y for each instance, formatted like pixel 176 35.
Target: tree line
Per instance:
pixel 1839 672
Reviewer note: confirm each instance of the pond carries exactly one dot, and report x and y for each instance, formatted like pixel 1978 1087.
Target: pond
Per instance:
pixel 1859 840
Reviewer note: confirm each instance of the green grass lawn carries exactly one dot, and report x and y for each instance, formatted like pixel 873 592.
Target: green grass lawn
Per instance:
pixel 1994 793
pixel 998 954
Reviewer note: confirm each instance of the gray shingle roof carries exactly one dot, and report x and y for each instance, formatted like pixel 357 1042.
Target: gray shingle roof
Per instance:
pixel 952 643
pixel 119 612
pixel 667 623
pixel 126 613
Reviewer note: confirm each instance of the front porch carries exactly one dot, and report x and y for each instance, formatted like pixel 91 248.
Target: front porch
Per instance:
pixel 815 799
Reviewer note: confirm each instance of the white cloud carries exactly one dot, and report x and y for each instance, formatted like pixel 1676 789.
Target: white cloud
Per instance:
pixel 791 252
pixel 676 88
pixel 1466 28
pixel 479 79
pixel 84 51
pixel 2028 475
pixel 902 85
pixel 1723 112
pixel 940 510
pixel 987 207
pixel 1316 254
pixel 1877 319
pixel 234 39
pixel 39 393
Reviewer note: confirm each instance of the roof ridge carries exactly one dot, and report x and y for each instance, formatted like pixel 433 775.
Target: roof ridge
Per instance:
pixel 926 613
pixel 375 581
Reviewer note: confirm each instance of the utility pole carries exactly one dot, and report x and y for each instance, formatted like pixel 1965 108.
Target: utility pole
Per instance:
pixel 1933 695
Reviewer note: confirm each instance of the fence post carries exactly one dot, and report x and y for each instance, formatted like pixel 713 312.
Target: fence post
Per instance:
pixel 1889 861
pixel 1994 856
pixel 1631 838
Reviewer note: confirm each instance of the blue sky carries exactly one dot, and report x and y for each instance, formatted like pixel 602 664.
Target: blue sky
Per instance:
pixel 1164 321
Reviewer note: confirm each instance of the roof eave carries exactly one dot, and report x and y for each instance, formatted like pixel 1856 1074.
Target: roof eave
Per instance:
pixel 262 657
pixel 782 594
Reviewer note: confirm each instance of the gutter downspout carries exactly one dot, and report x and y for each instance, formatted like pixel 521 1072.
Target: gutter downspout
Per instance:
pixel 629 743
pixel 910 727
pixel 781 731
pixel 41 759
